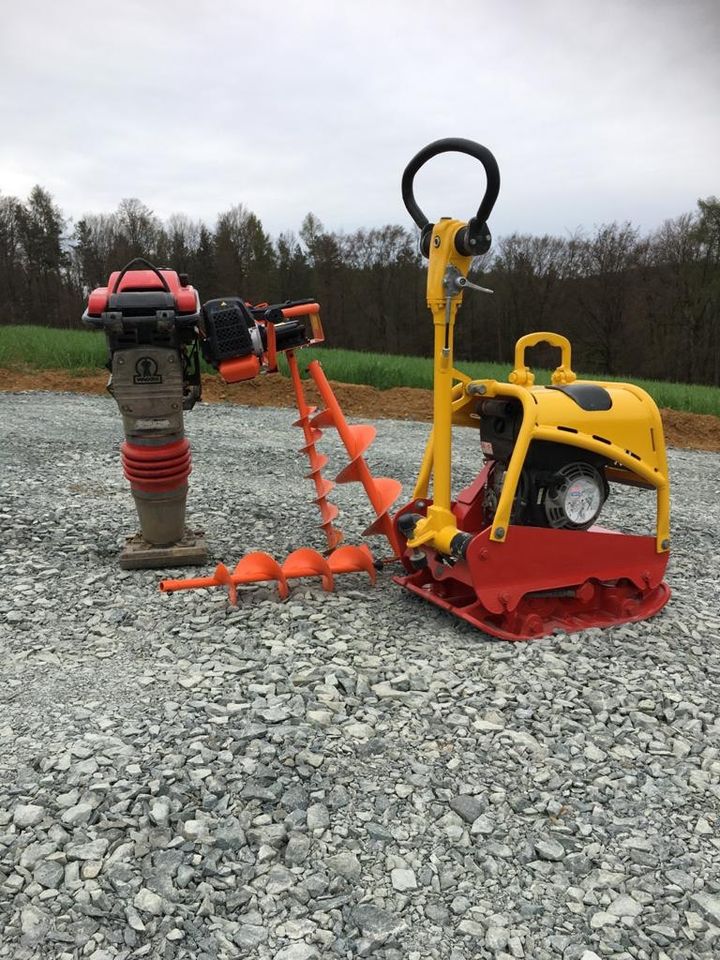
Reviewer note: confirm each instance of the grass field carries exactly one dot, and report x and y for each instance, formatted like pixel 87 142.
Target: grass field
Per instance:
pixel 83 351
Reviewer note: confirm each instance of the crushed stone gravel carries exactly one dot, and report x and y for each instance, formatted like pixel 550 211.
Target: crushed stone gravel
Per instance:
pixel 342 775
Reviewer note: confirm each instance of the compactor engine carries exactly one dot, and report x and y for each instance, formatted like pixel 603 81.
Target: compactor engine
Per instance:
pixel 559 486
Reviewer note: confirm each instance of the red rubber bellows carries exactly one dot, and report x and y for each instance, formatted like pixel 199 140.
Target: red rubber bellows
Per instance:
pixel 156 469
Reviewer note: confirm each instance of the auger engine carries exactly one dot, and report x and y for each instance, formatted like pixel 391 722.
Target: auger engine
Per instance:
pixel 239 339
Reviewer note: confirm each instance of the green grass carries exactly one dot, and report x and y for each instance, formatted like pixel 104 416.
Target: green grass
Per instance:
pixel 81 351
pixel 47 348
pixel 384 370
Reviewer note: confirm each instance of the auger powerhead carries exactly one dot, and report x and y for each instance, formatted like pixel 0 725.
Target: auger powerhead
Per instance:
pixel 150 318
pixel 241 340
pixel 518 552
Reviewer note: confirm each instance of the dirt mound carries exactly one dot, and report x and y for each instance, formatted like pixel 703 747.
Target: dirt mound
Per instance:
pixel 693 431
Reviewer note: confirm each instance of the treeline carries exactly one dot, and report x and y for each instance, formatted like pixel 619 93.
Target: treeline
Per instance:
pixel 642 305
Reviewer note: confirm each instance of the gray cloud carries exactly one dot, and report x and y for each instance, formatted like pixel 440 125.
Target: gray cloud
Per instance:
pixel 595 110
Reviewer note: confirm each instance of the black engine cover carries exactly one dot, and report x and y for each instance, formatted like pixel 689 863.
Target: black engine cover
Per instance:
pixel 227 325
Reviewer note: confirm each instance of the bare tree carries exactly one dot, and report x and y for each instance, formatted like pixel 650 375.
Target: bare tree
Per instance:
pixel 608 261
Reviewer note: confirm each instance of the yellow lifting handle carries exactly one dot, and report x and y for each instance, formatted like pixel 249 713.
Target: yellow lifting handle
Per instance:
pixel 523 376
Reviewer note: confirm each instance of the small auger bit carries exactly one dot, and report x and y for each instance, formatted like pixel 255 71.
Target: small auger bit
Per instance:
pixel 260 567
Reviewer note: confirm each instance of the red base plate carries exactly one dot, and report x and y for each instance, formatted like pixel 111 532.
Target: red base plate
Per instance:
pixel 606 605
pixel 540 581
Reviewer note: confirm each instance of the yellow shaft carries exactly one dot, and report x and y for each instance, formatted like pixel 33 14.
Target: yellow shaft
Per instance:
pixel 442 410
pixel 438 527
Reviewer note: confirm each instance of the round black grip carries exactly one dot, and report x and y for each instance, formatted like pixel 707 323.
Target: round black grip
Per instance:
pixel 452 145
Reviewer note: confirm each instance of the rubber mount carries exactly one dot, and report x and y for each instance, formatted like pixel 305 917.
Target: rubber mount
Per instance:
pixel 156 469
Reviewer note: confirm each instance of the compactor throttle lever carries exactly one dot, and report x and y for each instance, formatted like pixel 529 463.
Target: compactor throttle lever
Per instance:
pixel 454 282
pixel 464 283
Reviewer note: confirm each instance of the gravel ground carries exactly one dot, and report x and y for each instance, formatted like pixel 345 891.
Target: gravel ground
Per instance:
pixel 342 775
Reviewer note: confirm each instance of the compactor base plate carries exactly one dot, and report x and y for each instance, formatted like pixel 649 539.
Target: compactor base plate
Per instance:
pixel 592 604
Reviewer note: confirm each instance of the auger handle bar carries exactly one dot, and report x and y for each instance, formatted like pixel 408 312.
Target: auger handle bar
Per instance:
pixel 474 239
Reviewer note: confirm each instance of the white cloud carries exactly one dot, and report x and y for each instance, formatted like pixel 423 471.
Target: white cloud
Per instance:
pixel 595 110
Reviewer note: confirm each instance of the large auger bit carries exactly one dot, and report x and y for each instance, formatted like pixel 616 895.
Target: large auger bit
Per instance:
pixel 260 567
pixel 318 461
pixel 382 492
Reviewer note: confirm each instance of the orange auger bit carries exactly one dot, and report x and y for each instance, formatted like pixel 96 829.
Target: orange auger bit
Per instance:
pixel 309 563
pixel 328 511
pixel 382 491
pixel 261 567
pixel 351 559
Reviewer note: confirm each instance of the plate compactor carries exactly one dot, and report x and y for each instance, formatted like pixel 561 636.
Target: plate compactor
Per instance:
pixel 518 553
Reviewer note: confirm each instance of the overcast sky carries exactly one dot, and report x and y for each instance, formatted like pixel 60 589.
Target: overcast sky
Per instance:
pixel 596 111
